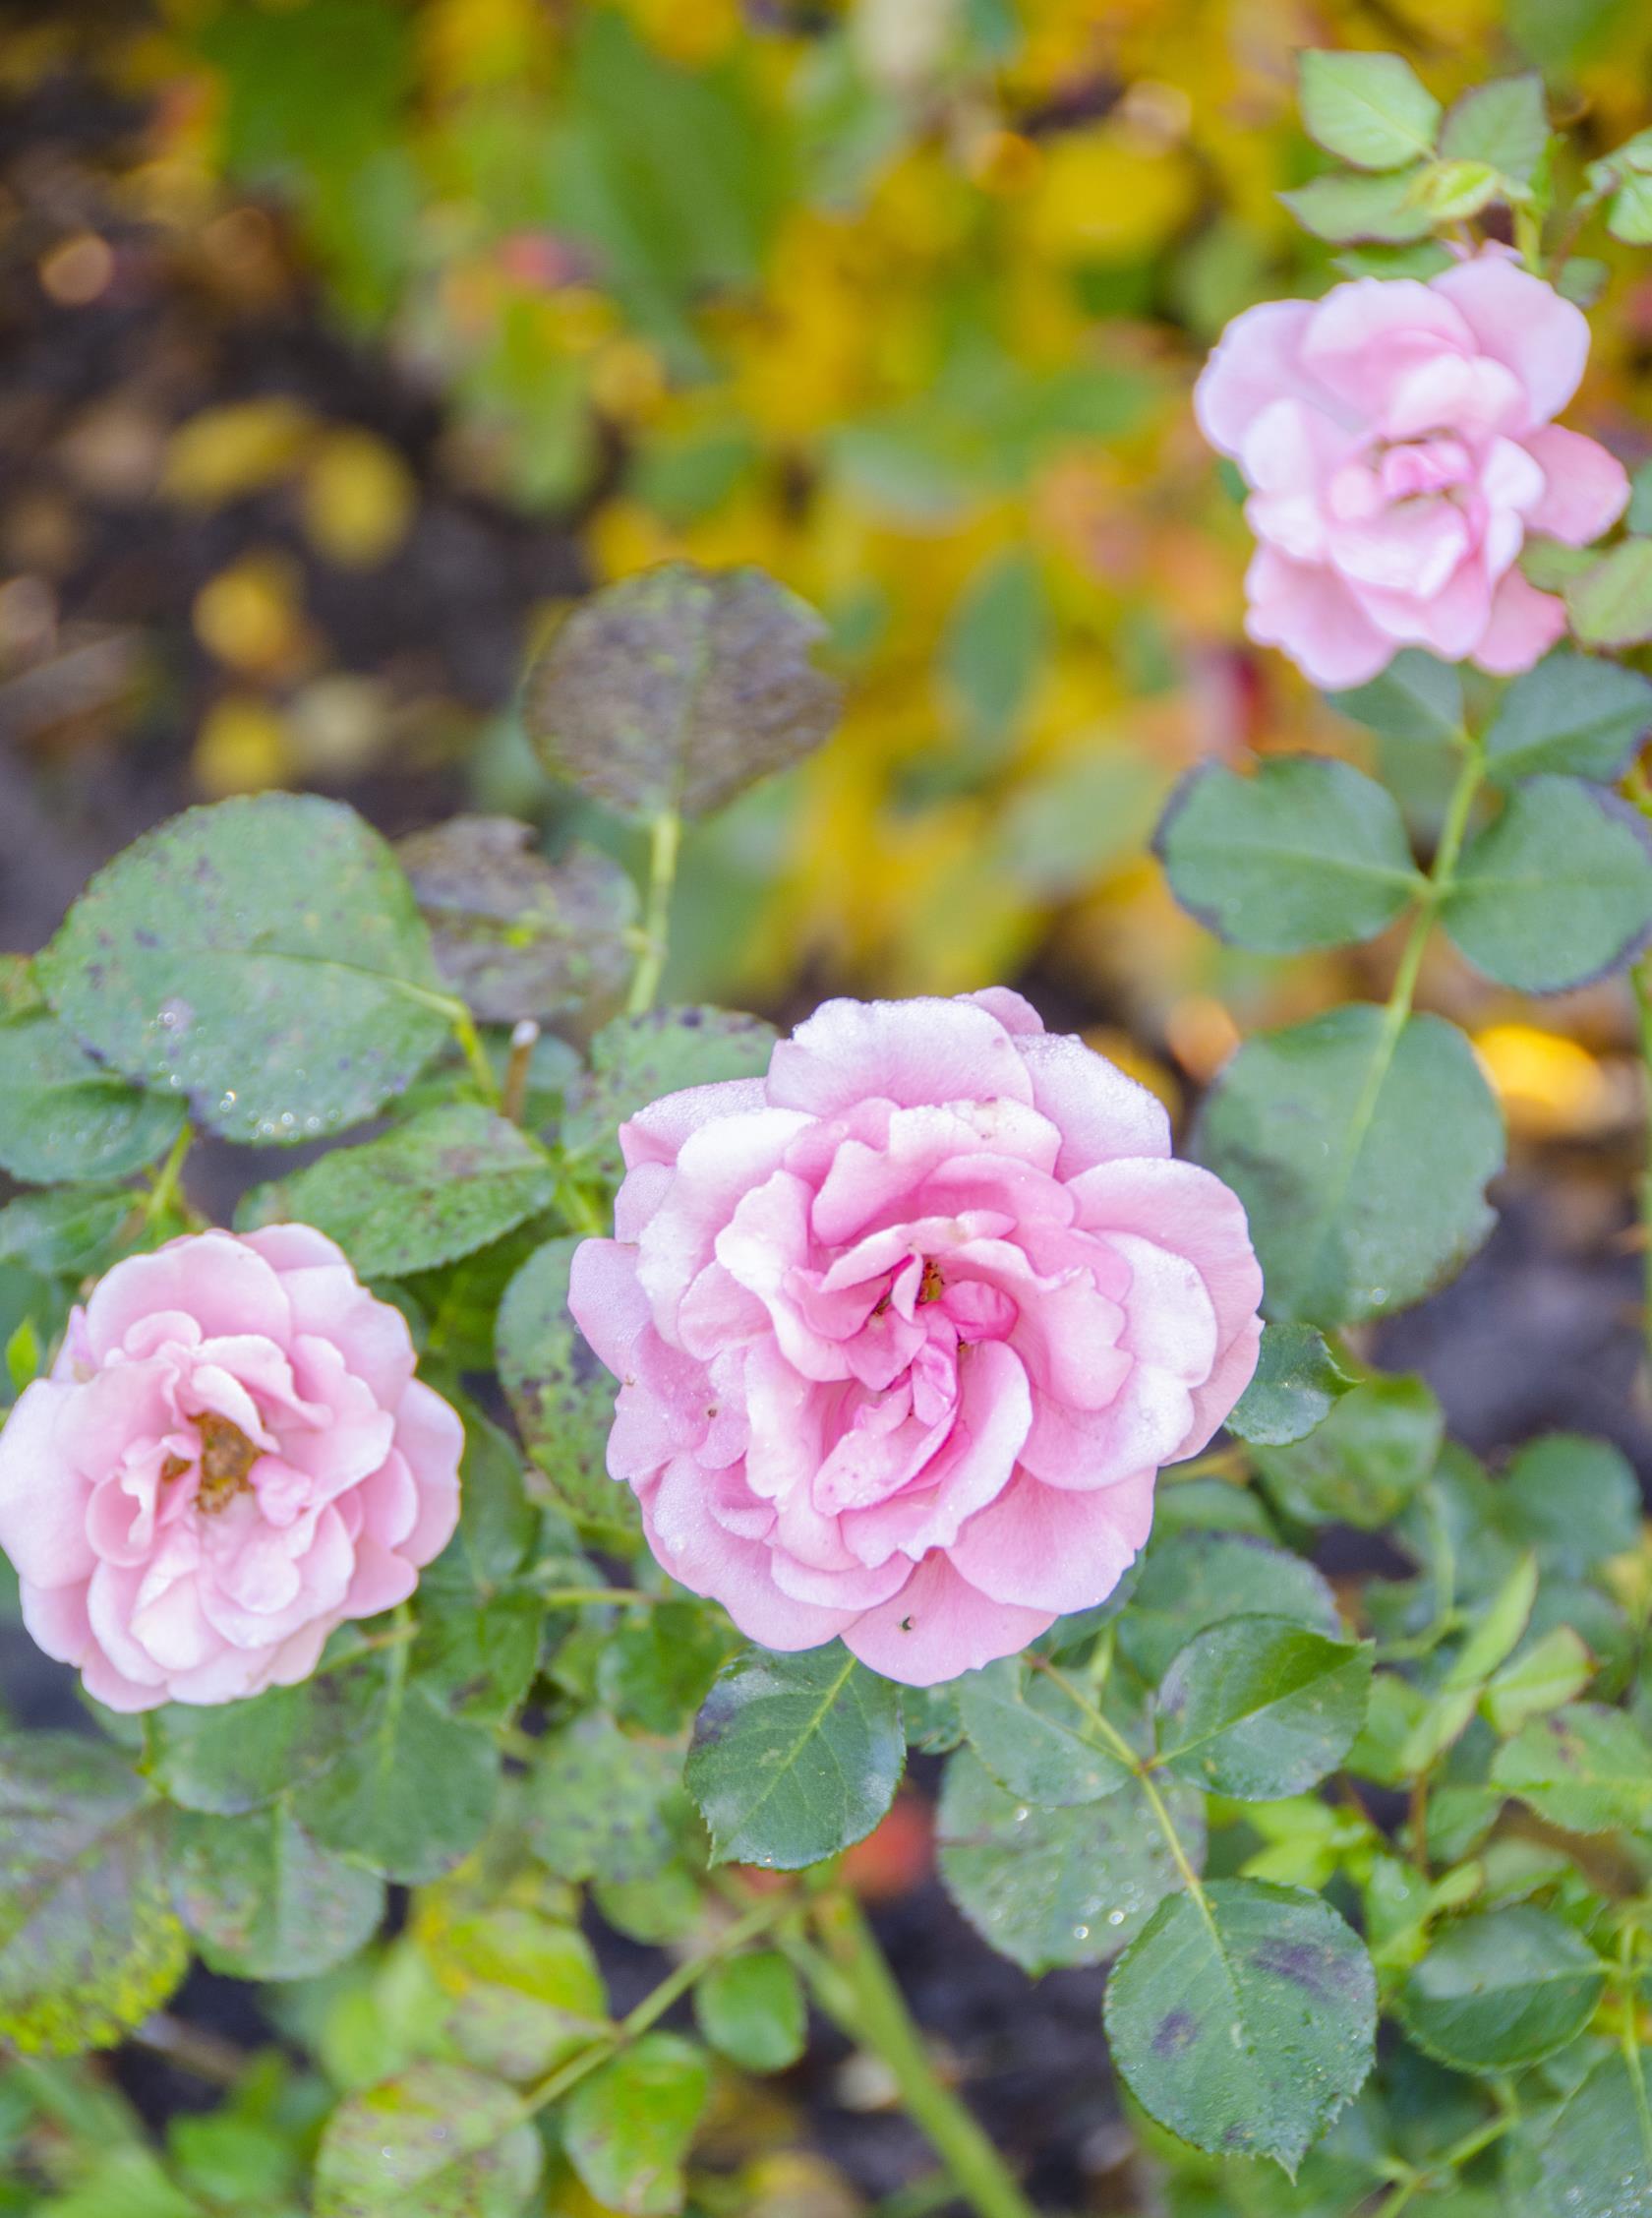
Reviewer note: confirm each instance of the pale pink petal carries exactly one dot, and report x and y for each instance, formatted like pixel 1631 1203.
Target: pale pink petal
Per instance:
pixel 658 1133
pixel 379 1581
pixel 107 1684
pixel 1013 1010
pixel 1182 1207
pixel 606 1301
pixel 909 1052
pixel 1450 621
pixel 56 1619
pixel 1585 489
pixel 1257 362
pixel 220 1281
pixel 1469 393
pixel 1523 323
pixel 44 1500
pixel 706 1558
pixel 1213 1401
pixel 1101 1111
pixel 1365 338
pixel 1523 627
pixel 428 1432
pixel 1311 616
pixel 940 1625
pixel 1049 1547
pixel 720 1164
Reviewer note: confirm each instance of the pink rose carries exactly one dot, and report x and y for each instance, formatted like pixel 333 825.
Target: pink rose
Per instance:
pixel 231 1457
pixel 1399 442
pixel 905 1329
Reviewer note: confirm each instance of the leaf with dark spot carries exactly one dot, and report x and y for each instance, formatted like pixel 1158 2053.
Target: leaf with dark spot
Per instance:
pixel 677 689
pixel 516 935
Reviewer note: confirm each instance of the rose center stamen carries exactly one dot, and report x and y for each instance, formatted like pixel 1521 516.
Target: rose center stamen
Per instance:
pixel 227 1457
pixel 932 1286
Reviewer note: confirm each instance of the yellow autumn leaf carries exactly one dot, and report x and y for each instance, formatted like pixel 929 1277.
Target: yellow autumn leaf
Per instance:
pixel 225 454
pixel 241 746
pixel 250 615
pixel 358 499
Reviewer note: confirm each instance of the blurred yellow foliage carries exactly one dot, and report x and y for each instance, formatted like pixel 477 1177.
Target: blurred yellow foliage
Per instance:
pixel 249 615
pixel 358 499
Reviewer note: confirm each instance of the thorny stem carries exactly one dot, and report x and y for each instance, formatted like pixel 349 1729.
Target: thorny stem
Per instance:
pixel 665 836
pixel 853 1984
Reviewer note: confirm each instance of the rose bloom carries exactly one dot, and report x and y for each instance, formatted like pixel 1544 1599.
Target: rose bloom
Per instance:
pixel 907 1327
pixel 1397 441
pixel 231 1457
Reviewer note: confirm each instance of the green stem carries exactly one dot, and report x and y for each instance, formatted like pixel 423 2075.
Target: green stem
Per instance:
pixel 862 1994
pixel 1528 236
pixel 165 1191
pixel 657 2002
pixel 1629 2036
pixel 665 836
pixel 474 1054
pixel 1102 1724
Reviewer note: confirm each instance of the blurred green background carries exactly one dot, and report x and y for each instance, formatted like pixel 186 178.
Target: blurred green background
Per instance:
pixel 348 339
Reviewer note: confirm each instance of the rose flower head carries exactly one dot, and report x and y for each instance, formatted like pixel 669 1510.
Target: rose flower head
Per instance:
pixel 1399 442
pixel 231 1457
pixel 905 1328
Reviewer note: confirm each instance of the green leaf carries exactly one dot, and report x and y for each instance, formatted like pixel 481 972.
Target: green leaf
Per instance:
pixel 477 1646
pixel 1382 207
pixel 1371 109
pixel 561 1394
pixel 240 1756
pixel 1553 1669
pixel 1610 603
pixel 439 1186
pixel 1363 1465
pixel 655 1671
pixel 1569 714
pixel 1361 1156
pixel 1502 1990
pixel 794 1757
pixel 63 1117
pixel 1596 2159
pixel 264 1902
pixel 1505 124
pixel 750 2008
pixel 515 935
pixel 605 1805
pixel 1574 1499
pixel 524 1991
pixel 1630 215
pixel 262 956
pixel 413 1791
pixel 1196 1578
pixel 995 645
pixel 634 1060
pixel 1260 1708
pixel 1294 1387
pixel 69 1233
pixel 1416 697
pixel 1557 891
pixel 1034 1739
pixel 1495 1631
pixel 1057 1887
pixel 438 2142
pixel 677 689
pixel 628 2128
pixel 1585 1769
pixel 89 1942
pixel 1449 192
pixel 1304 853
pixel 1244 2026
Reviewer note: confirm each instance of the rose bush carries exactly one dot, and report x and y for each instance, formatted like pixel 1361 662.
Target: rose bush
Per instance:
pixel 229 1458
pixel 1398 441
pixel 908 1326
